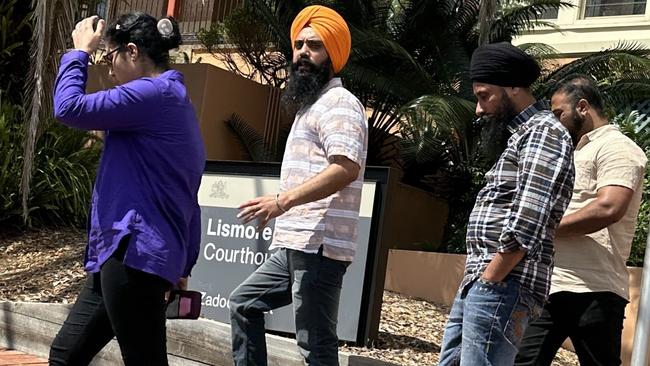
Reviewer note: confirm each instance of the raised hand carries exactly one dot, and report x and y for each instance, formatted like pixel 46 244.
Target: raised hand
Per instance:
pixel 85 37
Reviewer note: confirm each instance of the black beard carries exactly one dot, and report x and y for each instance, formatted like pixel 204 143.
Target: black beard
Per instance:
pixel 578 122
pixel 304 87
pixel 495 134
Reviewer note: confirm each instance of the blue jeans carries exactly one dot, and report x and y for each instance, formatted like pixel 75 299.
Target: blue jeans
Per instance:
pixel 486 324
pixel 313 283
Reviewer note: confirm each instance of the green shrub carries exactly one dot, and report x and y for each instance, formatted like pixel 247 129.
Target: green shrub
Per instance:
pixel 640 235
pixel 65 162
pixel 212 37
pixel 10 161
pixel 635 126
pixel 15 33
pixel 467 184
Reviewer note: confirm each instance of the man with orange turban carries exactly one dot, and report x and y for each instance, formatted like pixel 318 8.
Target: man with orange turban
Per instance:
pixel 317 207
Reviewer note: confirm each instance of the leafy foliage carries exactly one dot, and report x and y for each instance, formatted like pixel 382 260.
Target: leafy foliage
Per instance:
pixel 622 73
pixel 65 162
pixel 253 142
pixel 254 60
pixel 515 17
pixel 409 67
pixel 401 51
pixel 15 31
pixel 637 127
pixel 51 23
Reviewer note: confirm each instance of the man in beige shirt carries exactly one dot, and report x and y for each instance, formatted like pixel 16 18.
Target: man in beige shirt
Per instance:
pixel 589 286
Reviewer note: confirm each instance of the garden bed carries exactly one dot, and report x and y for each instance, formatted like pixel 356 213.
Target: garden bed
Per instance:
pixel 45 266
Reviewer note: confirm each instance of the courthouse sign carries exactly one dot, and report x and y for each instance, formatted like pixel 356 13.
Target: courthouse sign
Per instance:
pixel 231 251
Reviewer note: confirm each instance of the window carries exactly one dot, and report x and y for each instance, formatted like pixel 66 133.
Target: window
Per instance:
pixel 604 8
pixel 548 14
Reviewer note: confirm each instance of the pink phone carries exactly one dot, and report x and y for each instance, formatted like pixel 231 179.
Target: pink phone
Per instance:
pixel 184 304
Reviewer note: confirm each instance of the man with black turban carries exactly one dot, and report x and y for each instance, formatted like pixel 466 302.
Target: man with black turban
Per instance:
pixel 511 228
pixel 317 206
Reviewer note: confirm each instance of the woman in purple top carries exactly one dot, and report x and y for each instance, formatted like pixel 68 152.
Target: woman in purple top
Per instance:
pixel 144 226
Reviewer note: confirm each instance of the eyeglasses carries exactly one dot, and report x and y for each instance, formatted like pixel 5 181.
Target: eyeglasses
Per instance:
pixel 108 58
pixel 312 44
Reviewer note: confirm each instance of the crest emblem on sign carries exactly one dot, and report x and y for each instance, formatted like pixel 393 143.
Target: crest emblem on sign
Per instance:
pixel 219 190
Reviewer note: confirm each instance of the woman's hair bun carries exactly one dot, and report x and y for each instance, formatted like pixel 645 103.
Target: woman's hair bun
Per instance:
pixel 170 33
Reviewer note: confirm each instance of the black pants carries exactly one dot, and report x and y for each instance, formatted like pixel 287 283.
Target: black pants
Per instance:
pixel 118 301
pixel 593 321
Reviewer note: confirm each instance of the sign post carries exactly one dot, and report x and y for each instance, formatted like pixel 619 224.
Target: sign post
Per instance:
pixel 640 348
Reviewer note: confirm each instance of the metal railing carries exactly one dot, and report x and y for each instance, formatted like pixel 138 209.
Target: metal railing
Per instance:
pixel 108 9
pixel 642 327
pixel 192 15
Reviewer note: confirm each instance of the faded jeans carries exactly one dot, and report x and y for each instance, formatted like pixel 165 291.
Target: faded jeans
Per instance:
pixel 313 283
pixel 486 324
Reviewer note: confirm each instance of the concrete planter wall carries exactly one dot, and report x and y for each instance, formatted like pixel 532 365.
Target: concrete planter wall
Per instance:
pixel 436 276
pixel 31 327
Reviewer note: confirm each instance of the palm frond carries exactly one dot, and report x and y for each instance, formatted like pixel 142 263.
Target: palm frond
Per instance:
pixel 516 17
pixel 433 125
pixel 486 18
pixel 538 49
pixel 608 67
pixel 636 126
pixel 52 23
pixel 373 81
pixel 624 93
pixel 252 141
pixel 382 94
pixel 373 14
pixel 277 15
pixel 466 15
pixel 15 31
pixel 369 43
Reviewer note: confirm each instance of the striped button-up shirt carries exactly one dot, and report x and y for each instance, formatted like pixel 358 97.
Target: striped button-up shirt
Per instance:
pixel 526 194
pixel 334 125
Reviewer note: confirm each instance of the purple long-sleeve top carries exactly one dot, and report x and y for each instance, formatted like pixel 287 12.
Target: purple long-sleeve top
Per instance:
pixel 150 171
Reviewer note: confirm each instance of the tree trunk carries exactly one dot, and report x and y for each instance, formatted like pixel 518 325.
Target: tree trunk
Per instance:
pixel 52 22
pixel 486 17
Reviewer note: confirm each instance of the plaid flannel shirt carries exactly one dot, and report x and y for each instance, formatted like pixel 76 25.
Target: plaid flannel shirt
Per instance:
pixel 523 201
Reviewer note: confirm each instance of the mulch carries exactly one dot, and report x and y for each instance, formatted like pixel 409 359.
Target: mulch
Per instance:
pixel 45 266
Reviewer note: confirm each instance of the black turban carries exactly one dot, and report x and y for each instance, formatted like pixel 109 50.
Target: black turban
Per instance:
pixel 504 65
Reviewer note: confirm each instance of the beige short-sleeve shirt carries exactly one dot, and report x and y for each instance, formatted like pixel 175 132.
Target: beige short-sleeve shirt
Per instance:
pixel 596 262
pixel 334 125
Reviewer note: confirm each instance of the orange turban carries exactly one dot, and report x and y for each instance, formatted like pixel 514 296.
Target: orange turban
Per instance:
pixel 332 30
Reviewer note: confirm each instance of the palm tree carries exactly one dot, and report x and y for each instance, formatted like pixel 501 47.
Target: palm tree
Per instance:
pixel 53 21
pixel 409 67
pixel 15 32
pixel 401 50
pixel 622 73
pixel 636 126
pixel 444 147
pixel 487 12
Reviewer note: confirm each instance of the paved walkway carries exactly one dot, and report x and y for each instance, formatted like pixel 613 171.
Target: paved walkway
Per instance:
pixel 16 358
